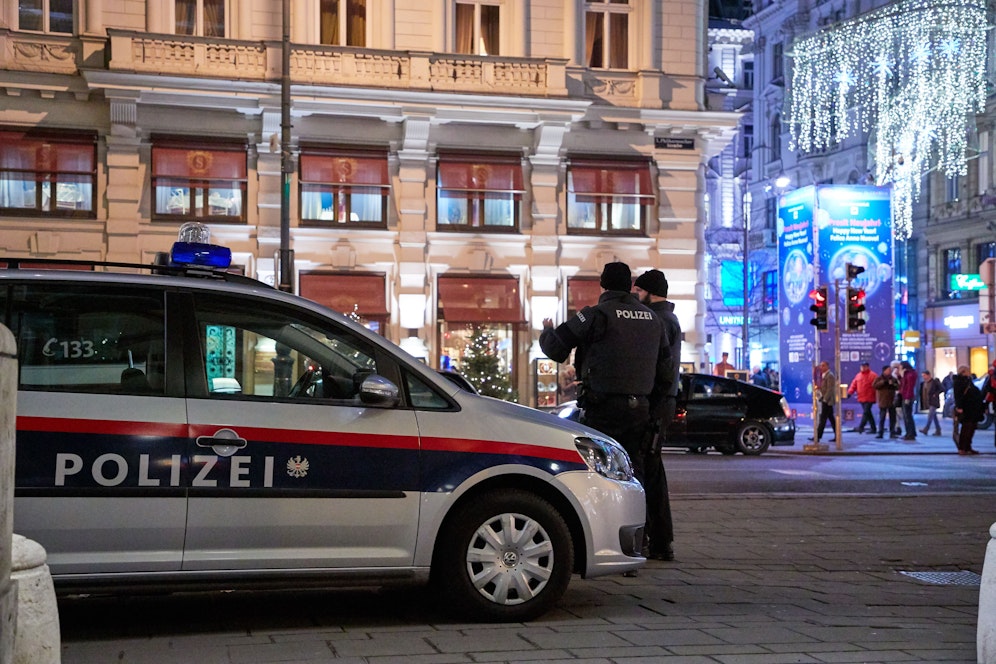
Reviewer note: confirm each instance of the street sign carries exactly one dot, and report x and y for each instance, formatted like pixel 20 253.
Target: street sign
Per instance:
pixel 911 338
pixel 967 282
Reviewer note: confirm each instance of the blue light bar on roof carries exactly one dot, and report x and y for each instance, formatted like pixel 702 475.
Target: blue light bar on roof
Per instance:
pixel 199 253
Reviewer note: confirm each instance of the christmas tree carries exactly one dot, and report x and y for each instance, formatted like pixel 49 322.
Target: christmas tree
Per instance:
pixel 482 366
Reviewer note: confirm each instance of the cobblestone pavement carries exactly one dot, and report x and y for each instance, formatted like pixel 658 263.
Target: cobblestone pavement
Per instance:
pixel 762 580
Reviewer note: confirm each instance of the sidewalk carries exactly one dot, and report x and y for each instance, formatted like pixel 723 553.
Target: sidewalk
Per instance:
pixel 866 443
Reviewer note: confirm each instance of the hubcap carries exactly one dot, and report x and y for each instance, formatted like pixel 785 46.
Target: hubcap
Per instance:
pixel 510 559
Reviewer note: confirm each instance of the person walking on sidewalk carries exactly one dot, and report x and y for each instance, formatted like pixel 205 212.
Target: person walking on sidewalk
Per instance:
pixel 826 392
pixel 930 396
pixel 907 390
pixel 968 409
pixel 862 385
pixel 989 392
pixel 886 387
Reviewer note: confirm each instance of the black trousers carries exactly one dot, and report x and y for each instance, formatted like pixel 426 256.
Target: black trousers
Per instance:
pixel 826 415
pixel 866 416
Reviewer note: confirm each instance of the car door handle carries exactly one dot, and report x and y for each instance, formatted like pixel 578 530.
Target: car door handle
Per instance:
pixel 224 442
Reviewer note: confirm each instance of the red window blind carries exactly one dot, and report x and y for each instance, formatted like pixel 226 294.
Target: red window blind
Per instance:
pixel 340 292
pixel 480 173
pixel 468 299
pixel 199 163
pixel 582 292
pixel 23 151
pixel 324 167
pixel 603 180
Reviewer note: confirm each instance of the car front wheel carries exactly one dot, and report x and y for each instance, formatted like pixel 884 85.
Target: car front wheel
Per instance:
pixel 504 557
pixel 753 438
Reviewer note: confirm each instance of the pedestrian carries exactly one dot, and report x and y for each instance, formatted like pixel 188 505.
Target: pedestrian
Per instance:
pixel 623 362
pixel 723 366
pixel 651 288
pixel 886 387
pixel 897 372
pixel 773 378
pixel 826 393
pixel 968 409
pixel 907 390
pixel 759 378
pixel 989 393
pixel 930 397
pixel 862 385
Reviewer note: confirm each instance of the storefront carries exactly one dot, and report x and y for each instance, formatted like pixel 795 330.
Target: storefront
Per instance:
pixel 955 339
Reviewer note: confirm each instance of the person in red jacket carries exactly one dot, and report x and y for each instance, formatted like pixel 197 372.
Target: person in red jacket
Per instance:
pixel 862 385
pixel 907 389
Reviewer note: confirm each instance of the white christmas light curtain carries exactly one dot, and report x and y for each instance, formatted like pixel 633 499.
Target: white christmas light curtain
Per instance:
pixel 911 74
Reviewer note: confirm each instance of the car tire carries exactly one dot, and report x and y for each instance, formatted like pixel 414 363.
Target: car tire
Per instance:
pixel 504 557
pixel 753 438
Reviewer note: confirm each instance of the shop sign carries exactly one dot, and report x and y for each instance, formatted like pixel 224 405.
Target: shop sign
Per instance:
pixel 959 322
pixel 967 282
pixel 911 338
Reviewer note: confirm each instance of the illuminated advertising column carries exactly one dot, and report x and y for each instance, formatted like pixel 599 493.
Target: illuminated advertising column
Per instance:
pixel 854 226
pixel 796 256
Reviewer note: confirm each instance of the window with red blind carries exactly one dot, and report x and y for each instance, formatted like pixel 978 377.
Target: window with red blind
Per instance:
pixel 608 197
pixel 582 292
pixel 479 192
pixel 361 296
pixel 198 180
pixel 48 174
pixel 344 187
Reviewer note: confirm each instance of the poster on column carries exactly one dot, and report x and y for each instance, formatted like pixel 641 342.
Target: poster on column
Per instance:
pixel 796 256
pixel 854 226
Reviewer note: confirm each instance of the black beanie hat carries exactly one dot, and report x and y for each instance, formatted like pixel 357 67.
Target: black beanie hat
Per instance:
pixel 654 282
pixel 616 276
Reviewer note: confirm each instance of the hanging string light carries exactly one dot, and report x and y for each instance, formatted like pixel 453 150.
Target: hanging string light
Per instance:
pixel 912 75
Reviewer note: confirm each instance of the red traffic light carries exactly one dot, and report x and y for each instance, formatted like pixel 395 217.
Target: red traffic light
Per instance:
pixel 819 295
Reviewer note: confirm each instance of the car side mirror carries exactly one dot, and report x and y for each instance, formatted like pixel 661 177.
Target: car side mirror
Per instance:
pixel 378 391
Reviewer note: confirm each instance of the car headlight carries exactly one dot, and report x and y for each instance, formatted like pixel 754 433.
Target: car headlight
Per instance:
pixel 605 457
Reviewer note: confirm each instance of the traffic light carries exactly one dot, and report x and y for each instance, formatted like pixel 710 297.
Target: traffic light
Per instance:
pixel 853 271
pixel 855 309
pixel 819 305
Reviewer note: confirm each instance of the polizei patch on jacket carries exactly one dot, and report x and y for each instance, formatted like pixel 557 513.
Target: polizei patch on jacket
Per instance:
pixel 629 313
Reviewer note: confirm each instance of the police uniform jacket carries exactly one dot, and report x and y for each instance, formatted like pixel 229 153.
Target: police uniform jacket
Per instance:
pixel 672 328
pixel 623 348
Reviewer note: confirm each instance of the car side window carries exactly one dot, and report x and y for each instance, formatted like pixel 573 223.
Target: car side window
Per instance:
pixel 89 338
pixel 250 350
pixel 422 396
pixel 702 388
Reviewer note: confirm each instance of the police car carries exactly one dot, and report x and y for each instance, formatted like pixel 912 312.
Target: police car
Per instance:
pixel 187 427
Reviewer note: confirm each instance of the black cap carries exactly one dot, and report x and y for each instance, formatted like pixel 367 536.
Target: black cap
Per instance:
pixel 616 276
pixel 654 282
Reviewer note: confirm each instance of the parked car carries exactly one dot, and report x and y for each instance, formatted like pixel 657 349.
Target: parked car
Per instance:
pixel 947 409
pixel 186 427
pixel 725 414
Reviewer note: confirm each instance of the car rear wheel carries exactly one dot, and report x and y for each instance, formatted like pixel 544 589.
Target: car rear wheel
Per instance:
pixel 753 438
pixel 504 557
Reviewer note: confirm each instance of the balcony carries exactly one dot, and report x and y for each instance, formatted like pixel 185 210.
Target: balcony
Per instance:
pixel 34 52
pixel 158 54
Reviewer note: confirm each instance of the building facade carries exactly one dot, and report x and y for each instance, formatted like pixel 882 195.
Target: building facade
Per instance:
pixel 457 166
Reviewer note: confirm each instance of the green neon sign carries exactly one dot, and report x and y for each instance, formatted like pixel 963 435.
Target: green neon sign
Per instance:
pixel 967 282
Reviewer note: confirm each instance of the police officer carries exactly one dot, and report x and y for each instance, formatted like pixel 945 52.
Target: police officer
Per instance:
pixel 651 288
pixel 623 361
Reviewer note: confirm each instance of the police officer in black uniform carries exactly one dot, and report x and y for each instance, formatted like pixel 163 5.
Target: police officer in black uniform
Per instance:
pixel 623 361
pixel 651 288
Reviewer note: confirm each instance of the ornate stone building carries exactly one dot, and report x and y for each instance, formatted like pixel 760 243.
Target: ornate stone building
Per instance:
pixel 455 163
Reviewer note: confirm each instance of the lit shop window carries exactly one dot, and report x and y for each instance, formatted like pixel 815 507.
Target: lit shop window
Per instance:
pixel 477 28
pixel 45 15
pixel 343 22
pixel 204 18
pixel 199 181
pixel 606 34
pixel 344 188
pixel 475 193
pixel 47 174
pixel 607 198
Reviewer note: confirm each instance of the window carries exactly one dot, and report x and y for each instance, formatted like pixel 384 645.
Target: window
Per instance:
pixel 249 352
pixel 201 181
pixel 771 213
pixel 477 29
pixel 609 198
pixel 479 193
pixel 952 266
pixel 775 139
pixel 748 74
pixel 984 251
pixel 952 189
pixel 69 338
pixel 770 295
pixel 777 61
pixel 359 296
pixel 48 174
pixel 606 33
pixel 45 15
pixel 204 18
pixel 344 187
pixel 343 22
pixel 747 141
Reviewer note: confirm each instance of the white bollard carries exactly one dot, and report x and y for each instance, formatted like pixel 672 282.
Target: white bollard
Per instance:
pixel 37 639
pixel 8 415
pixel 985 639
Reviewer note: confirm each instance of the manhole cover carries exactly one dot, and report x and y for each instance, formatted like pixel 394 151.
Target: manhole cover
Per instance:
pixel 963 578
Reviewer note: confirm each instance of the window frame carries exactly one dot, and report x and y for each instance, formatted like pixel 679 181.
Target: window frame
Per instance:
pixel 199 25
pixel 477 42
pixel 342 192
pixel 606 10
pixel 199 151
pixel 346 37
pixel 605 210
pixel 51 176
pixel 46 18
pixel 952 262
pixel 476 198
